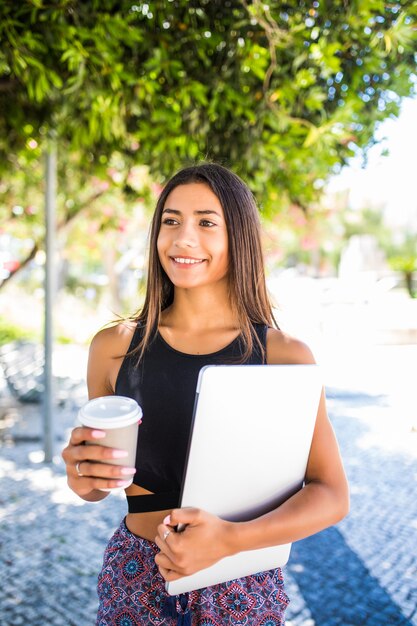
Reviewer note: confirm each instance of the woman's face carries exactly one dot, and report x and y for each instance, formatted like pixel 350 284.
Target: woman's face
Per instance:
pixel 192 241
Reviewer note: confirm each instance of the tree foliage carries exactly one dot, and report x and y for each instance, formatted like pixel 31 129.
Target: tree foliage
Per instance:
pixel 98 209
pixel 402 257
pixel 282 92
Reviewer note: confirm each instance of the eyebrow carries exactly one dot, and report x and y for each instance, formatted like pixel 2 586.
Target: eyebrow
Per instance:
pixel 199 212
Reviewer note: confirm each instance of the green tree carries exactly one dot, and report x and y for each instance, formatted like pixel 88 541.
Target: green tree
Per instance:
pixel 402 257
pixel 100 212
pixel 284 93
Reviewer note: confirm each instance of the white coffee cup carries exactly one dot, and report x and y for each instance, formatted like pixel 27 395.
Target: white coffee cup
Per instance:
pixel 119 418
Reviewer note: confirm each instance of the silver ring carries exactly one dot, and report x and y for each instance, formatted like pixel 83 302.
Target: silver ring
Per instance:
pixel 77 469
pixel 166 533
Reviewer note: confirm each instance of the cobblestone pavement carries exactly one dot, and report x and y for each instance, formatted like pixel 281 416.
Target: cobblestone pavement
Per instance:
pixel 361 572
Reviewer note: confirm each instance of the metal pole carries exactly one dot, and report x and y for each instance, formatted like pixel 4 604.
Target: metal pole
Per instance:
pixel 50 286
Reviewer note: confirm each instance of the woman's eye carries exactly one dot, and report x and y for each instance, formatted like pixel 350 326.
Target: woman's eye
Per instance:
pixel 169 221
pixel 207 223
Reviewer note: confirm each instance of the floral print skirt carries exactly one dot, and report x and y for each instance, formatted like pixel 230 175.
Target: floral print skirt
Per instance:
pixel 132 592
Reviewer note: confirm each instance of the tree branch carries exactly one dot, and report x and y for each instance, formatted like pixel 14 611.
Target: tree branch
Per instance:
pixel 69 217
pixel 60 227
pixel 31 255
pixel 8 84
pixel 273 33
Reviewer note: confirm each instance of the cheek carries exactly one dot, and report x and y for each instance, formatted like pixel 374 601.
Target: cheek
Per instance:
pixel 160 247
pixel 223 258
pixel 225 252
pixel 160 251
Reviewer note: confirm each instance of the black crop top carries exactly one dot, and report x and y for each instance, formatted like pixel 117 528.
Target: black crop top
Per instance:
pixel 164 385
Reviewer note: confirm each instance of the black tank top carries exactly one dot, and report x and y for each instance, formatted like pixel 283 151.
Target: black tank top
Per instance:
pixel 164 385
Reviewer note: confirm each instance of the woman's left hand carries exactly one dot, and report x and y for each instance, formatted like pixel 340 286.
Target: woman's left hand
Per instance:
pixel 205 540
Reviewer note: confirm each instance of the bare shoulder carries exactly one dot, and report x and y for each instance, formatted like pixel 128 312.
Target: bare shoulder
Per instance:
pixel 107 350
pixel 113 340
pixel 282 348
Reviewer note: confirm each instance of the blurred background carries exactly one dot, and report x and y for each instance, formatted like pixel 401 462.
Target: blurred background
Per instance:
pixel 314 105
pixel 303 106
pixel 314 112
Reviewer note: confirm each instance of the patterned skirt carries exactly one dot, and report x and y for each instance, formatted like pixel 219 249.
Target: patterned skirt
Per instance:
pixel 132 592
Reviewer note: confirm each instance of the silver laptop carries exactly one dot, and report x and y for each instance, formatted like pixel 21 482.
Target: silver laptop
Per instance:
pixel 248 451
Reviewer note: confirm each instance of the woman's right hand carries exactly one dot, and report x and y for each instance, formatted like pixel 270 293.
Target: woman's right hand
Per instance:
pixel 89 467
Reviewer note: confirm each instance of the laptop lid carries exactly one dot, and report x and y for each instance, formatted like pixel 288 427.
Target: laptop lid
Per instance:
pixel 248 451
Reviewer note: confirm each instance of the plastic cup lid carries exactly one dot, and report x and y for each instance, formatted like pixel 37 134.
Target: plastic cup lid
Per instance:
pixel 110 412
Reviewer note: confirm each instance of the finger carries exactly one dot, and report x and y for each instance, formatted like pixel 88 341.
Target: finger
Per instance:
pixel 88 483
pixel 97 473
pixel 164 530
pixel 186 515
pixel 168 536
pixel 97 453
pixel 163 542
pixel 82 433
pixel 168 574
pixel 103 470
pixel 162 560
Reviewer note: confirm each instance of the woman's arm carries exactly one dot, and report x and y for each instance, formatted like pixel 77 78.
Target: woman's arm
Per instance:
pixel 322 502
pixel 95 460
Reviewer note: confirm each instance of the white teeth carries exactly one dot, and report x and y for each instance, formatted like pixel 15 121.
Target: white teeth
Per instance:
pixel 188 261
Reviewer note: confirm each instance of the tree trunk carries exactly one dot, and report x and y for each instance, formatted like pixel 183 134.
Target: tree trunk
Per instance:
pixel 408 276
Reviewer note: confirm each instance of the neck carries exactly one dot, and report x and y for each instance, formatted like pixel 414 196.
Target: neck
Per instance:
pixel 199 309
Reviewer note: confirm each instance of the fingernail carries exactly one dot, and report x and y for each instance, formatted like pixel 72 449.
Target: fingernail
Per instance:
pixel 98 434
pixel 123 483
pixel 128 470
pixel 119 454
pixel 167 520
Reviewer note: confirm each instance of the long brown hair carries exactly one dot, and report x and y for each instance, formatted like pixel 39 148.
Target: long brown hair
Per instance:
pixel 247 288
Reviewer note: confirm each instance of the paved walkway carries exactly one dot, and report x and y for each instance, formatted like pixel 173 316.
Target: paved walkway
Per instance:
pixel 361 572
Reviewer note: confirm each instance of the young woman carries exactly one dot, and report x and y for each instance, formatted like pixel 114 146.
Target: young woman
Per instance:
pixel 206 303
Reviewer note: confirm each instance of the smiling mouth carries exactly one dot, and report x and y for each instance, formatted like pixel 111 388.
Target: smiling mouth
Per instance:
pixel 187 260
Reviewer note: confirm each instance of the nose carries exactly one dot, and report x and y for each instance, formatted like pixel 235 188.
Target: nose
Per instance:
pixel 186 236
